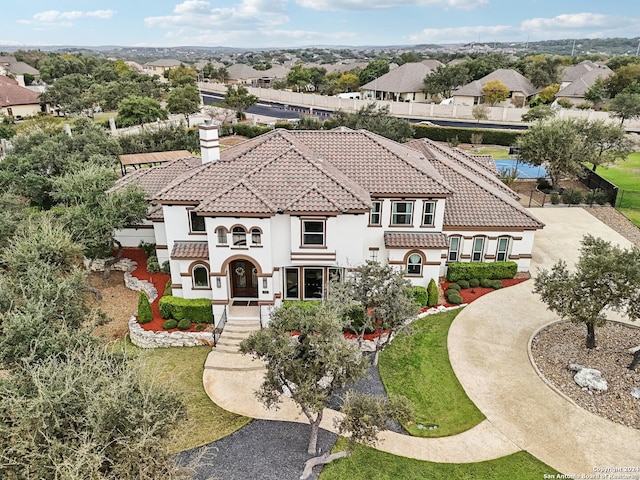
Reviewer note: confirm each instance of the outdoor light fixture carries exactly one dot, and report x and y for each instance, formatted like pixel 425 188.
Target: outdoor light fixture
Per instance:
pixel 218 282
pixel 264 283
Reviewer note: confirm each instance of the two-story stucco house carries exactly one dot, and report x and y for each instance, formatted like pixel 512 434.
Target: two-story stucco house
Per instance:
pixel 274 218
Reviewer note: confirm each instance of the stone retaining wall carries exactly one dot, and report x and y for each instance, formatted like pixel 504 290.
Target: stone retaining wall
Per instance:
pixel 148 339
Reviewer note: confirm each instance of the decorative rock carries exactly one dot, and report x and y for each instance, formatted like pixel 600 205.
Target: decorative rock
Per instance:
pixel 148 339
pixel 588 378
pixel 635 392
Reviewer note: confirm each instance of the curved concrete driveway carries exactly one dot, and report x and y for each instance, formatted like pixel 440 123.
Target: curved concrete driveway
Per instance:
pixel 488 347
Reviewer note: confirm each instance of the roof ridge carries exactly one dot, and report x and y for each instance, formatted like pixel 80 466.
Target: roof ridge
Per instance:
pixel 243 181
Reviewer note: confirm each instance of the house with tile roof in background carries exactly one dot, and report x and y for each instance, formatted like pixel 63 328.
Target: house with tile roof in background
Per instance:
pixel 278 216
pixel 520 89
pixel 578 79
pixel 17 101
pixel 9 66
pixel 402 84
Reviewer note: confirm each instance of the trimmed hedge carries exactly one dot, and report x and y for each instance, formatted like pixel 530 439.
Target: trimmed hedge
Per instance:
pixel 169 324
pixel 184 324
pixel 421 295
pixel 249 131
pixel 454 286
pixel 464 284
pixel 474 282
pixel 432 290
pixel 152 264
pixel 453 297
pixel 196 310
pixel 168 290
pixel 490 136
pixel 145 314
pixel 491 270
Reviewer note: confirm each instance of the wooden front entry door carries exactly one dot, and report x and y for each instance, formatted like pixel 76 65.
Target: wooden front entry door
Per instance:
pixel 244 279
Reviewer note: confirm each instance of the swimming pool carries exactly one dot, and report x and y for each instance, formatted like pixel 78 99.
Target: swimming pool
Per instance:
pixel 524 170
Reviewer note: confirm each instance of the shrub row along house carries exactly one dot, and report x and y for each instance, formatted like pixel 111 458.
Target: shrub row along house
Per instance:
pixel 276 217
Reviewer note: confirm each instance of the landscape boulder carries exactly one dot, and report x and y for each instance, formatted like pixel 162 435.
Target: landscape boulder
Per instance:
pixel 589 378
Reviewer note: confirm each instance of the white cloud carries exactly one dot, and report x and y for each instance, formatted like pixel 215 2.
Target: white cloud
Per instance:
pixel 387 4
pixel 463 34
pixel 51 18
pixel 575 20
pixel 201 15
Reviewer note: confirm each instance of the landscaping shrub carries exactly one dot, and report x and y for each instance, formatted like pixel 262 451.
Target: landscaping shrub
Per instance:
pixel 572 197
pixel 184 324
pixel 145 315
pixel 200 327
pixel 421 295
pixel 196 310
pixel 543 184
pixel 166 267
pixel 453 297
pixel 490 136
pixel 474 282
pixel 356 317
pixel 599 196
pixel 555 198
pixel 432 291
pixel 169 324
pixel 152 264
pixel 492 270
pixel 249 131
pixel 454 286
pixel 168 291
pixel 149 248
pixel 496 284
pixel 486 283
pixel 464 284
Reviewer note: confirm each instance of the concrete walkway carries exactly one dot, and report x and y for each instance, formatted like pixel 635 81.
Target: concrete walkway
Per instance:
pixel 488 346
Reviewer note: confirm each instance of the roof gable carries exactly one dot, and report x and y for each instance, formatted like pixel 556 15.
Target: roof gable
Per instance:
pixel 515 82
pixel 408 77
pixel 13 94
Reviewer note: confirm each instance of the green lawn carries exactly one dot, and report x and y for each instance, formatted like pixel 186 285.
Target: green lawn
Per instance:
pixel 626 175
pixel 497 152
pixel 369 464
pixel 104 116
pixel 181 369
pixel 417 366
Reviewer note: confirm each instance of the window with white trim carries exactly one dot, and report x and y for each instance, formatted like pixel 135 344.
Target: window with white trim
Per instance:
pixel 454 249
pixel 477 252
pixel 373 254
pixel 256 236
pixel 414 264
pixel 196 222
pixel 428 214
pixel 374 215
pixel 502 251
pixel 313 232
pixel 200 276
pixel 313 283
pixel 239 237
pixel 221 233
pixel 402 213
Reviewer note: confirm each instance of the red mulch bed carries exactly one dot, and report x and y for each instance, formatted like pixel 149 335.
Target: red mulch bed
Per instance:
pixel 470 294
pixel 159 281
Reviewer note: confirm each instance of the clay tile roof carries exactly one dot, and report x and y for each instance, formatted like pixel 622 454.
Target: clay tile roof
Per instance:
pixel 515 81
pixel 415 240
pixel 190 250
pixel 13 94
pixel 480 200
pixel 155 213
pixel 579 86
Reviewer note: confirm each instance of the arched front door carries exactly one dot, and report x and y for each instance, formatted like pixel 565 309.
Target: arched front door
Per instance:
pixel 244 279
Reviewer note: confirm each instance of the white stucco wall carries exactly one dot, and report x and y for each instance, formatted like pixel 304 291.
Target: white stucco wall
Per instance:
pixel 131 237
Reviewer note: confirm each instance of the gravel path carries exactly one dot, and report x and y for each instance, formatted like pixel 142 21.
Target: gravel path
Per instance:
pixel 617 221
pixel 562 343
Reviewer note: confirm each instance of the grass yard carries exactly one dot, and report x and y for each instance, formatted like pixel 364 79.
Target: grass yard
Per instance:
pixel 417 366
pixel 369 464
pixel 104 116
pixel 497 152
pixel 626 175
pixel 181 369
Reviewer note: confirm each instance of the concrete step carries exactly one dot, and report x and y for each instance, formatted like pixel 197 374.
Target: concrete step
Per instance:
pixel 226 361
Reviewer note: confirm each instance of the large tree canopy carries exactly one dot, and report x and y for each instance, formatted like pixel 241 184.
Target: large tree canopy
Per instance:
pixel 374 119
pixel 606 277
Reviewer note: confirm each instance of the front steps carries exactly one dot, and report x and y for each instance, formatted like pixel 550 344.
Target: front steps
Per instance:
pixel 226 355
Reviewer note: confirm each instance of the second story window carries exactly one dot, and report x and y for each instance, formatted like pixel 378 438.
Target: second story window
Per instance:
pixel 256 236
pixel 502 250
pixel 454 249
pixel 477 252
pixel 221 233
pixel 428 214
pixel 313 232
pixel 239 235
pixel 196 222
pixel 374 214
pixel 402 213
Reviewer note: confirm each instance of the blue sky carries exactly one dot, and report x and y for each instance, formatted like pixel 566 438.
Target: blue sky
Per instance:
pixel 291 23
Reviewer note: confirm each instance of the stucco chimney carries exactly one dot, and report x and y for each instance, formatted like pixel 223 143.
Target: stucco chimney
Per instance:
pixel 209 143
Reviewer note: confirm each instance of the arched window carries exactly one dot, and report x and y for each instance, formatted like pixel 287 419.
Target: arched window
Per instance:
pixel 200 276
pixel 414 264
pixel 256 236
pixel 239 237
pixel 221 232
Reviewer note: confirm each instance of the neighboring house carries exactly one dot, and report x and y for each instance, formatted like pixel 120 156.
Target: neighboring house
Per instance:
pixel 520 89
pixel 574 91
pixel 243 74
pixel 402 84
pixel 571 73
pixel 278 216
pixel 17 101
pixel 158 67
pixel 11 67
